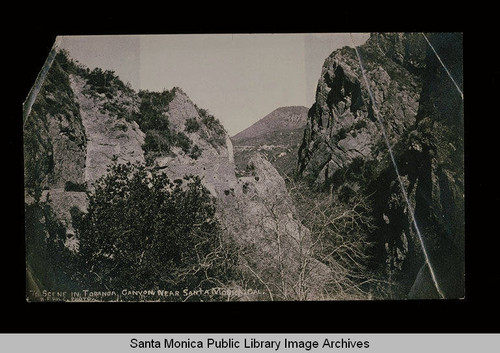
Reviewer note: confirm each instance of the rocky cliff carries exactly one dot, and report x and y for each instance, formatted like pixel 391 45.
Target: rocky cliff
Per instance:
pixel 83 121
pixel 343 151
pixel 54 136
pixel 342 125
pixel 437 143
pixel 110 137
pixel 73 132
pixel 256 209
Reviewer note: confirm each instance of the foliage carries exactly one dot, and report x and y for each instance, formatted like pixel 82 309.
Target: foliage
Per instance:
pixel 192 125
pixel 360 124
pixel 55 101
pixel 195 152
pixel 160 142
pixel 153 120
pixel 71 186
pixel 69 65
pixel 104 82
pixel 342 133
pixel 215 134
pixel 143 231
pixel 47 259
pixel 152 110
pixel 157 141
pixel 116 109
pixel 182 141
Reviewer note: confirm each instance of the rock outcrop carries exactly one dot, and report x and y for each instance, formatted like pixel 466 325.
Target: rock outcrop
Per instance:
pixel 255 210
pixel 54 136
pixel 344 149
pixel 437 142
pixel 79 127
pixel 72 135
pixel 82 121
pixel 215 161
pixel 342 125
pixel 110 137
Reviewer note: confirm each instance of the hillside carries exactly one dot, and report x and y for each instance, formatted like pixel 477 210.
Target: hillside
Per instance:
pixel 277 135
pixel 95 150
pixel 361 196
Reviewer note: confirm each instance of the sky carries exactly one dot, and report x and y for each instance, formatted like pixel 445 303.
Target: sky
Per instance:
pixel 238 78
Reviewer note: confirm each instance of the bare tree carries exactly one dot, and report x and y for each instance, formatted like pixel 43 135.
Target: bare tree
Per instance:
pixel 340 229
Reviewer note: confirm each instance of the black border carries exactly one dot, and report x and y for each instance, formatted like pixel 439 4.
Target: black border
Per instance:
pixel 27 48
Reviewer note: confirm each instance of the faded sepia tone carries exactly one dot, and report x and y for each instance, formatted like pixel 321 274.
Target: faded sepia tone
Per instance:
pixel 246 168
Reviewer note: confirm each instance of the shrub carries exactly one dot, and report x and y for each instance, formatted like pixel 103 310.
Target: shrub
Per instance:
pixel 191 125
pixel 157 141
pixel 120 127
pixel 71 186
pixel 153 120
pixel 360 124
pixel 115 110
pixel 144 232
pixel 105 82
pixel 342 133
pixel 213 124
pixel 152 110
pixel 69 65
pixel 216 134
pixel 182 141
pixel 195 152
pixel 160 142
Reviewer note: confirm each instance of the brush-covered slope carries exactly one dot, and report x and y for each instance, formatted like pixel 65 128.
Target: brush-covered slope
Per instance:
pixel 278 136
pixel 83 121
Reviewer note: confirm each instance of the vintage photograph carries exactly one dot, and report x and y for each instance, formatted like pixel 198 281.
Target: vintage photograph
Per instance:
pixel 246 167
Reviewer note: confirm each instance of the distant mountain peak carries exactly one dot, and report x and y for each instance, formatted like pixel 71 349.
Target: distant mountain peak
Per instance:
pixel 277 136
pixel 281 119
